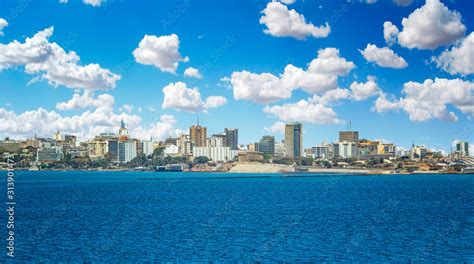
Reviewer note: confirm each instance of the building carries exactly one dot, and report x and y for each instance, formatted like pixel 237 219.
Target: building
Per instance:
pixel 345 149
pixel 267 145
pixel 113 151
pixel 462 149
pixel 171 150
pixel 250 156
pixel 185 145
pixel 253 147
pixel 368 149
pixel 220 154
pixel 49 154
pixel 323 151
pixel 198 135
pixel 98 148
pixel 123 131
pixel 349 136
pixel 418 152
pixel 231 138
pixel 294 140
pixel 147 147
pixel 127 150
pixel 280 149
pixel 216 141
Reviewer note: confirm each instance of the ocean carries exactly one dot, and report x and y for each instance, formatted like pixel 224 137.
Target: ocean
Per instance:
pixel 183 217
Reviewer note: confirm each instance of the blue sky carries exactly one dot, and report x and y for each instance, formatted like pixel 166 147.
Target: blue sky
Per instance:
pixel 220 38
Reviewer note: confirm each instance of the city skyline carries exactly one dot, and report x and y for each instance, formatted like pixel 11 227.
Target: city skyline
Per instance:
pixel 253 75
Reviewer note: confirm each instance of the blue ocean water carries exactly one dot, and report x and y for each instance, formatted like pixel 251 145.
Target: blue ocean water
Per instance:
pixel 139 216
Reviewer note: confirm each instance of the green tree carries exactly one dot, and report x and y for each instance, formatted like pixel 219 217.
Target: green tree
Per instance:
pixel 201 160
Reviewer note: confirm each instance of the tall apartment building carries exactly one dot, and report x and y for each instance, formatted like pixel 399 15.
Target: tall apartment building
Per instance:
pixel 232 138
pixel 349 136
pixel 198 135
pixel 294 140
pixel 267 145
pixel 127 150
pixel 462 148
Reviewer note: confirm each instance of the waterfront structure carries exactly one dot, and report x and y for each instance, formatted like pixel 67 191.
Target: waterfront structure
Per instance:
pixel 231 138
pixel 462 149
pixel 250 156
pixel 294 140
pixel 280 149
pixel 127 150
pixel 267 145
pixel 198 135
pixel 220 154
pixel 345 149
pixel 48 154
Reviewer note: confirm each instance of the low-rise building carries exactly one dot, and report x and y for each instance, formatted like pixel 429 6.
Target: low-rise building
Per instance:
pixel 221 154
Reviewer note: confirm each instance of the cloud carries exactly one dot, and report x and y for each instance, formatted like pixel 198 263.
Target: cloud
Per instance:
pixel 458 60
pixel 383 57
pixel 390 32
pixel 161 52
pixel 362 91
pixel 320 76
pixel 192 72
pixel 428 100
pixel 304 111
pixel 86 100
pixel 59 67
pixel 179 97
pixel 288 2
pixel 277 127
pixel 84 125
pixel 431 26
pixel 331 96
pixel 282 22
pixel 94 3
pixel 3 24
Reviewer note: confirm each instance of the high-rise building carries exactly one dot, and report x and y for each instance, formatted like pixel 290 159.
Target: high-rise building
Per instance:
pixel 349 136
pixel 294 140
pixel 280 149
pixel 231 138
pixel 127 150
pixel 267 145
pixel 462 148
pixel 198 135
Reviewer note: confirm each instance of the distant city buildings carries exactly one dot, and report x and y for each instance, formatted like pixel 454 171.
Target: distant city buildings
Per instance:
pixel 231 138
pixel 198 135
pixel 294 140
pixel 462 149
pixel 267 145
pixel 280 149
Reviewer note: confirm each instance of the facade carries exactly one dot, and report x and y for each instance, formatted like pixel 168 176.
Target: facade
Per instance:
pixel 252 147
pixel 345 149
pixel 48 154
pixel 112 144
pixel 98 148
pixel 280 149
pixel 198 135
pixel 185 145
pixel 294 140
pixel 323 151
pixel 267 145
pixel 368 149
pixel 250 156
pixel 349 136
pixel 231 138
pixel 215 153
pixel 147 147
pixel 127 150
pixel 171 150
pixel 462 148
pixel 418 152
pixel 215 142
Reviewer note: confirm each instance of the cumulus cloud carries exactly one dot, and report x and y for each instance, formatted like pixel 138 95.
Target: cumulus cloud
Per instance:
pixel 283 22
pixel 178 96
pixel 320 76
pixel 161 52
pixel 390 32
pixel 277 127
pixel 428 100
pixel 84 125
pixel 59 67
pixel 3 24
pixel 304 111
pixel 94 3
pixel 431 26
pixel 362 91
pixel 460 59
pixel 383 57
pixel 86 100
pixel 192 72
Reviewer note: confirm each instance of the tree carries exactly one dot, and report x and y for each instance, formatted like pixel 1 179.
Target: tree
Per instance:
pixel 201 160
pixel 158 152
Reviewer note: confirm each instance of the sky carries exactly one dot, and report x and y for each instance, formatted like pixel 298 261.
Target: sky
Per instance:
pixel 400 71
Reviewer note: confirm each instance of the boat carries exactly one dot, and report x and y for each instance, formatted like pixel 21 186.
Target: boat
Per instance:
pixel 169 168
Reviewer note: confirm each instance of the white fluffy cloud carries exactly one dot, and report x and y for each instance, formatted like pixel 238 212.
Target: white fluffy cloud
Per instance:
pixel 94 3
pixel 362 91
pixel 460 59
pixel 86 100
pixel 320 76
pixel 84 125
pixel 384 57
pixel 304 111
pixel 192 72
pixel 283 22
pixel 59 67
pixel 178 96
pixel 390 32
pixel 161 52
pixel 428 100
pixel 3 24
pixel 277 127
pixel 288 2
pixel 431 26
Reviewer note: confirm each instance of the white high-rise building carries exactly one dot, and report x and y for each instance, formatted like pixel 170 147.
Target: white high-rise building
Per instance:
pixel 127 150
